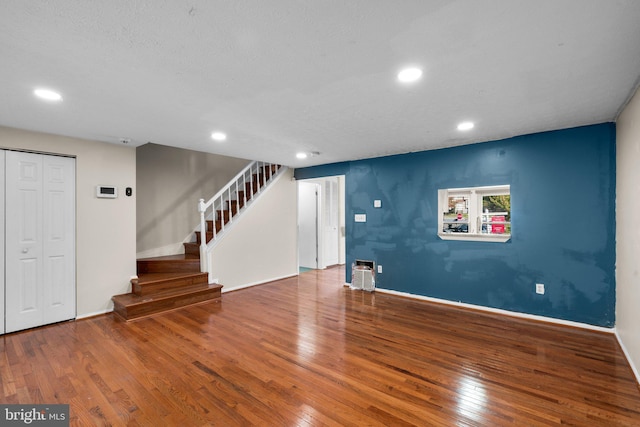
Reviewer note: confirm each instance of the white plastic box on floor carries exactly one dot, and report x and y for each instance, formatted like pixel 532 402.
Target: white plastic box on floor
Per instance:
pixel 362 276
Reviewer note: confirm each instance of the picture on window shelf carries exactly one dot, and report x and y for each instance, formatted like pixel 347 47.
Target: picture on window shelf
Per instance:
pixel 496 214
pixel 456 219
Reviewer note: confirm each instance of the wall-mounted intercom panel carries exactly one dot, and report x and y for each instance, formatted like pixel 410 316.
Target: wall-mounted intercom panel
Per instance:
pixel 106 192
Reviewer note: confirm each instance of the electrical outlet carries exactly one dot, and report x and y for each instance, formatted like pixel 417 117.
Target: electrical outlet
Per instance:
pixel 540 288
pixel 379 269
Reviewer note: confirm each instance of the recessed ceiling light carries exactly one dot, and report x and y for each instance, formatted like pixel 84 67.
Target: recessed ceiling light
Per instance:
pixel 465 126
pixel 409 75
pixel 48 94
pixel 219 136
pixel 301 155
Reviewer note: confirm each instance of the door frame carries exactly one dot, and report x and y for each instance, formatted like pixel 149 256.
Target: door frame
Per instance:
pixel 319 219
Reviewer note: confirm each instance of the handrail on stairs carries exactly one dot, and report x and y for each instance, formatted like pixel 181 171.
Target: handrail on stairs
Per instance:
pixel 243 183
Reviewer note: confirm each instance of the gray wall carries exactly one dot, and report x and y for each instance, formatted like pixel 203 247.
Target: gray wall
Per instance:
pixel 170 183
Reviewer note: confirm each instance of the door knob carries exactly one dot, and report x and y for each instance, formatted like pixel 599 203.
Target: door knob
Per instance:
pixel 25 250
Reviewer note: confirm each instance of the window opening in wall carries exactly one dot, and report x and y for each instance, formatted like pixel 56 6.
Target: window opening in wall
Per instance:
pixel 475 213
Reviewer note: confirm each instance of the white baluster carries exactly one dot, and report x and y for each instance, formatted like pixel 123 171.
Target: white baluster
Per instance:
pixel 237 198
pixel 203 236
pixel 244 189
pixel 253 183
pixel 229 204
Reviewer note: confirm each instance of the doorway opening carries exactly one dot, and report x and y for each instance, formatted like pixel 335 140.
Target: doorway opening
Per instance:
pixel 321 222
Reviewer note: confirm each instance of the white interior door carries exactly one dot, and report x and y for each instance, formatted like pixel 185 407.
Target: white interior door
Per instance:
pixel 307 224
pixel 331 222
pixel 59 238
pixel 24 276
pixel 39 240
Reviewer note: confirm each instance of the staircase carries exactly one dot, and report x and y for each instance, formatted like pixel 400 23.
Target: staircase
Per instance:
pixel 163 284
pixel 170 282
pixel 231 199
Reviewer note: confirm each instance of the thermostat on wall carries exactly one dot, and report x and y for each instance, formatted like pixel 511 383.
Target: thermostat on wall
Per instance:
pixel 106 191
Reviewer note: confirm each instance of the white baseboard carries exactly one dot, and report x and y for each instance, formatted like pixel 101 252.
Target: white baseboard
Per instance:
pixel 500 311
pixel 97 313
pixel 262 282
pixel 629 359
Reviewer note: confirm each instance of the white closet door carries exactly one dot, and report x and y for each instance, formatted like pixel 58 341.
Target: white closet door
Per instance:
pixel 23 287
pixel 40 280
pixel 2 156
pixel 59 238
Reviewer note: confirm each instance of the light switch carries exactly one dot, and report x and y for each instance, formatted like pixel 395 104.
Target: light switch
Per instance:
pixel 377 203
pixel 360 218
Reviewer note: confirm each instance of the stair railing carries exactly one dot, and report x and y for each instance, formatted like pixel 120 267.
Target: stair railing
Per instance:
pixel 248 183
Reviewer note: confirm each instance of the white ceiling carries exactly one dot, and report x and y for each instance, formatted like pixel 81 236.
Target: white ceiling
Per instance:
pixel 283 76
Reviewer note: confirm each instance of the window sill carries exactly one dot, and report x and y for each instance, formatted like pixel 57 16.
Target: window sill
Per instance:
pixel 497 238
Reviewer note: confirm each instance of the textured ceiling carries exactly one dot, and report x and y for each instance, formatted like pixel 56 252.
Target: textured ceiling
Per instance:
pixel 284 76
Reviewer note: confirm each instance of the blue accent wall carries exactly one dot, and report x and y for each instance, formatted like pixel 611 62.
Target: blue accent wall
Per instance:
pixel 562 212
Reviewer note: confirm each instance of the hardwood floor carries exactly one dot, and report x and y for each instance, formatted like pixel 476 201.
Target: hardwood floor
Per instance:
pixel 307 351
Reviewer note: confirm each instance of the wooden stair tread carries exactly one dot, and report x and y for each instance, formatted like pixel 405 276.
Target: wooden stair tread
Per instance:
pixel 133 299
pixel 178 257
pixel 192 248
pixel 160 284
pixel 186 263
pixel 161 277
pixel 131 307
